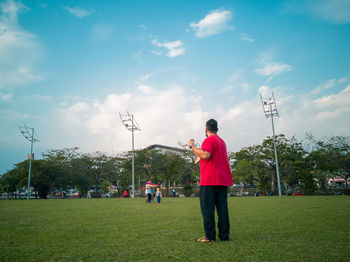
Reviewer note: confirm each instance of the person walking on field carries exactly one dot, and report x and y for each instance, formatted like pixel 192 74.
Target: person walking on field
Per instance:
pixel 158 195
pixel 152 194
pixel 215 177
pixel 148 194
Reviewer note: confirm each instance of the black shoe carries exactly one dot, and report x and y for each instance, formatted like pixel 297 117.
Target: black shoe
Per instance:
pixel 225 239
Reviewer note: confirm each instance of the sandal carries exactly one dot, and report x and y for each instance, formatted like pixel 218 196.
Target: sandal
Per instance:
pixel 203 239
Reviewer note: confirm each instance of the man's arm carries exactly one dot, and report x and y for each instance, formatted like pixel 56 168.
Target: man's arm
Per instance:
pixel 199 152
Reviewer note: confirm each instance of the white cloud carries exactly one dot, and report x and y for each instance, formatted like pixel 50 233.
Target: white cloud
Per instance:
pixel 241 88
pixel 20 50
pixel 145 89
pixel 143 26
pixel 12 8
pixel 265 57
pixel 235 83
pixel 174 49
pixel 145 77
pixel 156 52
pixel 138 56
pixel 324 86
pixel 9 114
pixel 227 89
pixel 213 23
pixel 142 79
pixel 233 78
pixel 270 68
pixel 5 96
pixel 172 115
pixel 332 100
pixel 265 91
pixel 273 69
pixel 79 107
pixel 42 97
pixel 77 11
pixel 324 116
pixel 247 38
pixel 246 87
pixel 165 117
pixel 334 11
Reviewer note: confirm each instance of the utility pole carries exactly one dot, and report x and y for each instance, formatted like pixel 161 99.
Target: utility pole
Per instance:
pixel 130 123
pixel 28 134
pixel 270 110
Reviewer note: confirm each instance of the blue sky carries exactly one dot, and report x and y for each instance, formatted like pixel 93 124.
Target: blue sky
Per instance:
pixel 67 68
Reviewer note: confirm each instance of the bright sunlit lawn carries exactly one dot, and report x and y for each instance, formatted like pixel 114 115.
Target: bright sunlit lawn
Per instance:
pixel 262 229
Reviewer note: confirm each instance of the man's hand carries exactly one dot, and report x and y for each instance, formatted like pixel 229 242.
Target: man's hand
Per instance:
pixel 197 160
pixel 191 143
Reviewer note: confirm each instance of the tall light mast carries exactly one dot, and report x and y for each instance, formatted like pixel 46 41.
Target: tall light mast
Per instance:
pixel 130 123
pixel 28 133
pixel 270 110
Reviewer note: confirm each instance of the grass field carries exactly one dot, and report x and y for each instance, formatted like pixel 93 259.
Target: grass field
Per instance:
pixel 262 229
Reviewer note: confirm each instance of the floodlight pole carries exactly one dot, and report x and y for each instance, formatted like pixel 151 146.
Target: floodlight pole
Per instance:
pixel 131 124
pixel 276 157
pixel 271 112
pixel 28 133
pixel 30 164
pixel 133 157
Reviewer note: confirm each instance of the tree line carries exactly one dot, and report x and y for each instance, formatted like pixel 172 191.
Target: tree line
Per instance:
pixel 304 165
pixel 63 169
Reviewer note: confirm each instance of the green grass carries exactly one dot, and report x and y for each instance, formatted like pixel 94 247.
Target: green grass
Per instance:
pixel 262 229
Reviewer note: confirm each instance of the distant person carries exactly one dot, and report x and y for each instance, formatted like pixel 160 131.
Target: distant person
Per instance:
pixel 125 194
pixel 152 194
pixel 215 177
pixel 148 194
pixel 174 193
pixel 158 195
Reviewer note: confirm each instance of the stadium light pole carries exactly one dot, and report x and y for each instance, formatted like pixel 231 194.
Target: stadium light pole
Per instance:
pixel 28 133
pixel 270 110
pixel 130 123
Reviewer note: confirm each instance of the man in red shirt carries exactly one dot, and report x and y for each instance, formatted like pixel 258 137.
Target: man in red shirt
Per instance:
pixel 215 177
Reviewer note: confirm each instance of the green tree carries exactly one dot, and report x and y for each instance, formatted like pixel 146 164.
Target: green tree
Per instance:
pixel 78 174
pixel 248 167
pixel 9 181
pixel 93 165
pixel 331 155
pixel 39 178
pixel 258 162
pixel 18 177
pixel 57 166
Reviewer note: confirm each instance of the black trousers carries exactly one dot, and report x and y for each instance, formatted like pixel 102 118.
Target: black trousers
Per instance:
pixel 211 197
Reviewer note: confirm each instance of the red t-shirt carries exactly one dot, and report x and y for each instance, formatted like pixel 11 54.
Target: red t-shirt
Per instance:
pixel 216 170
